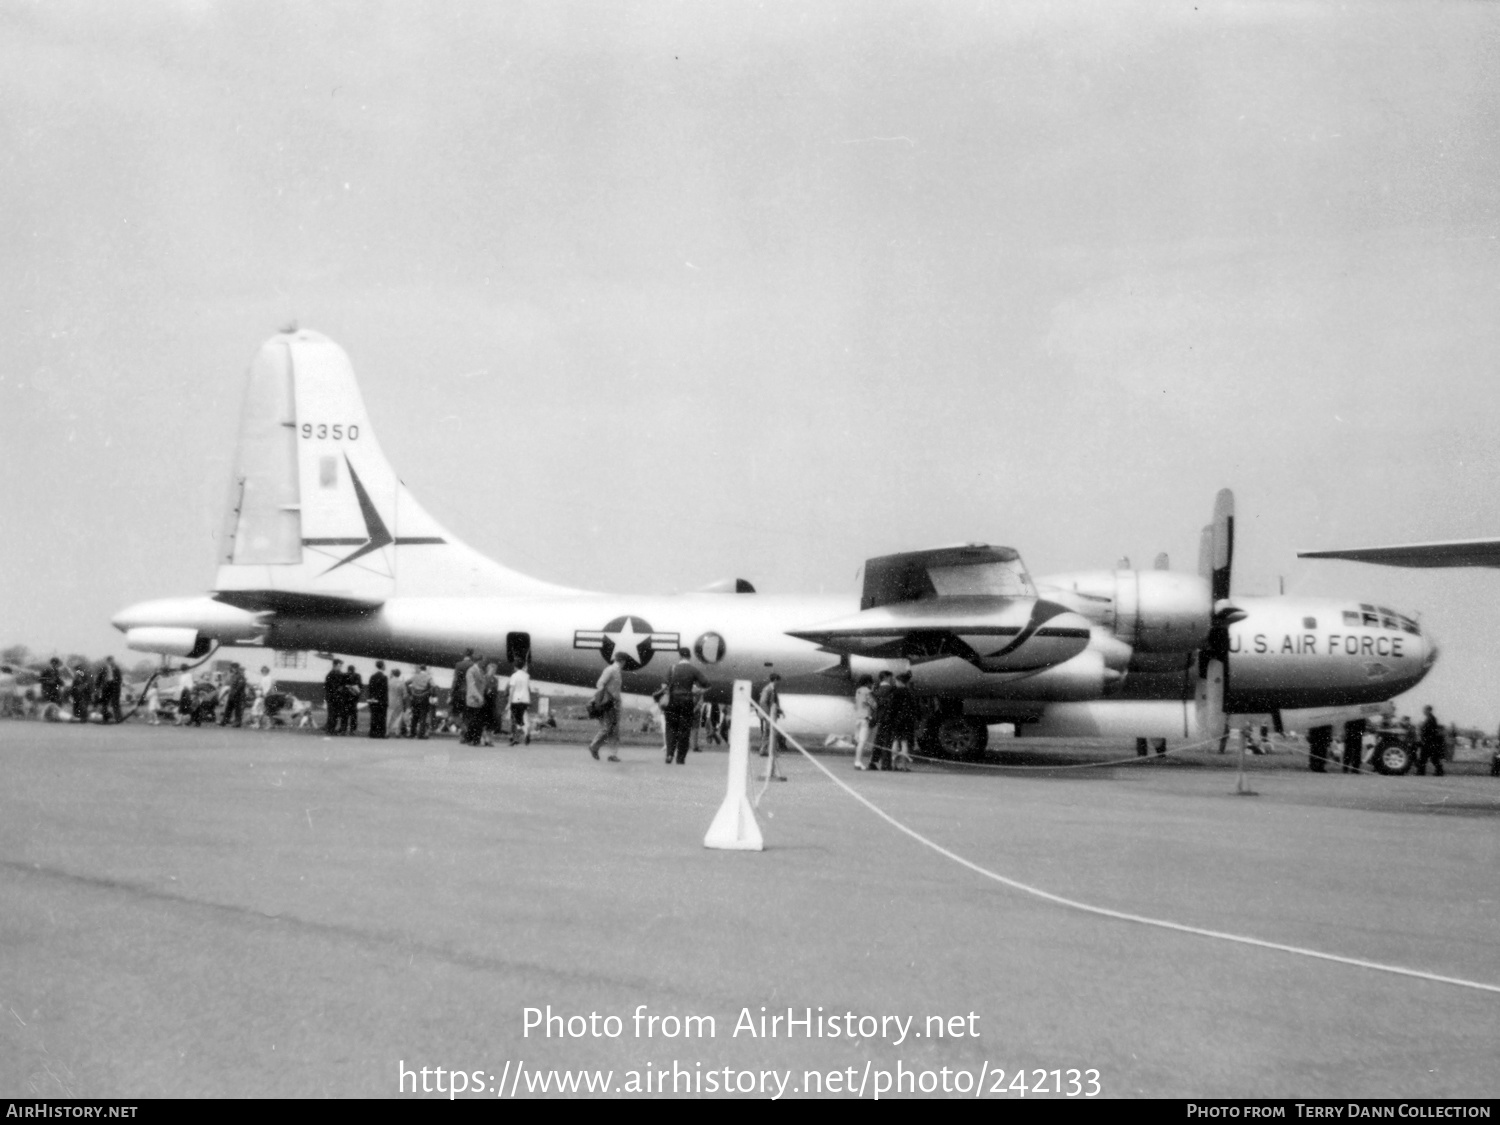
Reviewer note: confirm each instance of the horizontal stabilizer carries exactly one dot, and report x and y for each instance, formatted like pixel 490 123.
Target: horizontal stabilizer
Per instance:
pixel 303 604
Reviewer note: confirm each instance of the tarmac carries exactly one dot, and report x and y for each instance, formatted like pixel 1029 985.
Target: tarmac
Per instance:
pixel 205 913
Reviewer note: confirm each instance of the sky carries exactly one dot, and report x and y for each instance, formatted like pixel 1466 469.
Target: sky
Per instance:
pixel 645 296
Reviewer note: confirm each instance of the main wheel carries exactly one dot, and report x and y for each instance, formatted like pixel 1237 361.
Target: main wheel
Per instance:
pixel 1392 757
pixel 961 737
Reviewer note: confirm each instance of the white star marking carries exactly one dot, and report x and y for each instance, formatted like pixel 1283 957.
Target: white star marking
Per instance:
pixel 628 641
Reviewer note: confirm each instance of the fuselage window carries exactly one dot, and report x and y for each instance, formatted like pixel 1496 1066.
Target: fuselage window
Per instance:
pixel 1309 622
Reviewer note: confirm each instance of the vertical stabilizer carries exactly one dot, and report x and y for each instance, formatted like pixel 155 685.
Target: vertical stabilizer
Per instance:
pixel 315 508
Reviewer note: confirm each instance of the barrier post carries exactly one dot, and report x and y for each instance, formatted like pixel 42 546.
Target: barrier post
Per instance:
pixel 1242 785
pixel 734 827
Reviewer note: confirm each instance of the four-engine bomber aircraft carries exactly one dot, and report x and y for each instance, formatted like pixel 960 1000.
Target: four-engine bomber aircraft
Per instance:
pixel 324 548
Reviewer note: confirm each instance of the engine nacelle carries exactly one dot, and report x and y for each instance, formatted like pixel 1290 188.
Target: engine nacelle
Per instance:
pixel 167 641
pixel 1150 610
pixel 1085 676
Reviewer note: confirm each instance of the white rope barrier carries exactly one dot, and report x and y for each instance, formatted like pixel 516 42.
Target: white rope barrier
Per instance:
pixel 1123 916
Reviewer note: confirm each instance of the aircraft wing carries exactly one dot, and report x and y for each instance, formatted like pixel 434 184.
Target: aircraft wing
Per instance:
pixel 1455 552
pixel 993 633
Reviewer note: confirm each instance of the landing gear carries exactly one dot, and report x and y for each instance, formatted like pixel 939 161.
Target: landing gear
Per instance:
pixel 1393 756
pixel 956 736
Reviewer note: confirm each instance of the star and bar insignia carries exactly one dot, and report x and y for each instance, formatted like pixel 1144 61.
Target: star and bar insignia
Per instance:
pixel 631 635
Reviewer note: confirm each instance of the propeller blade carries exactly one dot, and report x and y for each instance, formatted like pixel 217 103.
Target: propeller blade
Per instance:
pixel 1223 544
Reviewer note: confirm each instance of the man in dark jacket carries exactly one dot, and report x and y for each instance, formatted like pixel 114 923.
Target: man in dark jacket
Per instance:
pixel 83 693
pixel 1432 745
pixel 457 707
pixel 51 681
pixel 354 687
pixel 109 691
pixel 685 683
pixel 234 702
pixel 333 697
pixel 380 697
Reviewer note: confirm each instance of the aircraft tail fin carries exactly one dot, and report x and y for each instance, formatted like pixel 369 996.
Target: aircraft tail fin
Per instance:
pixel 315 508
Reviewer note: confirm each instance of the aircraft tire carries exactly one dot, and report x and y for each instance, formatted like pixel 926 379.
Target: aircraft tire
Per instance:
pixel 960 738
pixel 1392 757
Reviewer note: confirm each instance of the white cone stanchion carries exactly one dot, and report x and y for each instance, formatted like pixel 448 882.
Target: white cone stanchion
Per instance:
pixel 734 825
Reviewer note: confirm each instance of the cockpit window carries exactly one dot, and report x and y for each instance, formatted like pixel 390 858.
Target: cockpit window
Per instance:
pixel 1381 617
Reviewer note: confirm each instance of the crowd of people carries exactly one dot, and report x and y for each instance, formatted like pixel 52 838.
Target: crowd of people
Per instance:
pixel 479 704
pixel 83 689
pixel 485 705
pixel 886 714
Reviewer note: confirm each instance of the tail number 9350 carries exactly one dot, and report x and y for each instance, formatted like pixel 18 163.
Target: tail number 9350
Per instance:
pixel 337 431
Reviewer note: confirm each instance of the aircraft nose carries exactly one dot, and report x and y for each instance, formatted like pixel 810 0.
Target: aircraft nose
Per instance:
pixel 1428 657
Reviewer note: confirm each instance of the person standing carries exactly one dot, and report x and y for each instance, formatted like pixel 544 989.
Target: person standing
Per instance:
pixel 1354 745
pixel 333 697
pixel 903 722
pixel 771 713
pixel 609 692
pixel 109 691
pixel 354 688
pixel 264 711
pixel 494 707
pixel 864 721
pixel 83 693
pixel 885 714
pixel 419 691
pixel 520 704
pixel 234 699
pixel 380 698
pixel 685 685
pixel 397 717
pixel 186 690
pixel 457 709
pixel 473 696
pixel 152 703
pixel 1431 744
pixel 50 680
